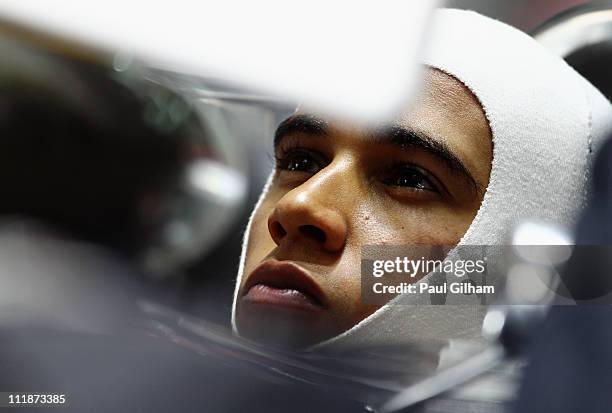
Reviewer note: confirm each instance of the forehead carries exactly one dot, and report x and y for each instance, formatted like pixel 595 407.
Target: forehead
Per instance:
pixel 447 91
pixel 443 101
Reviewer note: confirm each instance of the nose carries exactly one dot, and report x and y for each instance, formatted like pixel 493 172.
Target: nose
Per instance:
pixel 309 214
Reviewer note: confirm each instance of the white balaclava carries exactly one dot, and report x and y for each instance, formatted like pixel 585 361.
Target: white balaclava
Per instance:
pixel 546 122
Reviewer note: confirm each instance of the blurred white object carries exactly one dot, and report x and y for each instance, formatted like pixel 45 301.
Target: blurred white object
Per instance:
pixel 584 26
pixel 542 243
pixel 354 58
pixel 540 233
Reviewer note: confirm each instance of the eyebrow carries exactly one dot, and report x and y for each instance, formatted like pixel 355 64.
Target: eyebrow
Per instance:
pixel 300 123
pixel 405 138
pixel 396 135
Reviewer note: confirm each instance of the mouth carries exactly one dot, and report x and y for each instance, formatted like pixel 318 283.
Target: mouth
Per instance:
pixel 283 285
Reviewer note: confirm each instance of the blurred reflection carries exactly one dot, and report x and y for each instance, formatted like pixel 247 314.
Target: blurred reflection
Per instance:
pixel 109 158
pixel 583 37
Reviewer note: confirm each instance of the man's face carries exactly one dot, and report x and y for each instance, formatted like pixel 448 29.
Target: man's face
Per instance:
pixel 336 188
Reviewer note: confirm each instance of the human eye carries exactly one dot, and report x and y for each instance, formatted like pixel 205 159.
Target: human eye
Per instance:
pixel 406 175
pixel 300 160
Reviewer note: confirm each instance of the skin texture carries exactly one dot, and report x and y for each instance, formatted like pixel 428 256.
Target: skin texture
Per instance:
pixel 337 187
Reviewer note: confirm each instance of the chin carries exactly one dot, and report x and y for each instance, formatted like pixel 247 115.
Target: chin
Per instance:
pixel 280 328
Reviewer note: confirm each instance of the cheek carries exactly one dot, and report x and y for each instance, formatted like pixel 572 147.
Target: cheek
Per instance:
pixel 409 224
pixel 345 286
pixel 372 225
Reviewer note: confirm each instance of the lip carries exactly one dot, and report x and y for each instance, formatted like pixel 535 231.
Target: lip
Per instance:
pixel 285 285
